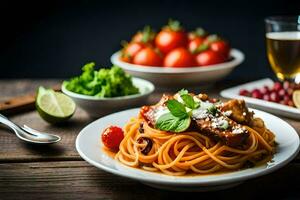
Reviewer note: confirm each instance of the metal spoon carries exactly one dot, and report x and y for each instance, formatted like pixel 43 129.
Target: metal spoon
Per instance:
pixel 28 134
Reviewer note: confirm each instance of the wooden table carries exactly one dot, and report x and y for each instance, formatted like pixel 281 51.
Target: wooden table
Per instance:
pixel 57 171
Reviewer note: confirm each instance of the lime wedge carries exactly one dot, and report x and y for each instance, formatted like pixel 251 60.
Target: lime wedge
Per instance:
pixel 296 98
pixel 54 107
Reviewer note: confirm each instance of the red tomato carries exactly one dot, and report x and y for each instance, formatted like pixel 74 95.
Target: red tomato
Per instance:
pixel 198 33
pixel 171 37
pixel 112 137
pixel 209 57
pixel 179 57
pixel 146 36
pixel 138 37
pixel 221 47
pixel 195 43
pixel 147 56
pixel 132 49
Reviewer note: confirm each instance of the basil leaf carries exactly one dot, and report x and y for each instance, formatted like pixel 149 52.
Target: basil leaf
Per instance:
pixel 189 101
pixel 177 109
pixel 167 122
pixel 182 125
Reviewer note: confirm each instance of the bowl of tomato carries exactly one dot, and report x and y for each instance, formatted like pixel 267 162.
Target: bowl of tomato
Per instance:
pixel 175 57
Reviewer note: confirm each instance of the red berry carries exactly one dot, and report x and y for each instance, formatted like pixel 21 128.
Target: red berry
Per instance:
pixel 286 85
pixel 265 90
pixel 244 92
pixel 274 97
pixel 256 94
pixel 277 86
pixel 281 93
pixel 286 97
pixel 266 97
pixel 112 137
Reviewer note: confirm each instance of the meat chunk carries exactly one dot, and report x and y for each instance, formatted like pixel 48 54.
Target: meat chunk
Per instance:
pixel 149 113
pixel 237 111
pixel 235 135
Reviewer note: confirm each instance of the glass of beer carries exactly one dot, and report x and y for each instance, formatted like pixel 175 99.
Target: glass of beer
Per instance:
pixel 283 46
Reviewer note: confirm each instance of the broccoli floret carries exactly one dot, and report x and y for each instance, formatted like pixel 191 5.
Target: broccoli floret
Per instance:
pixel 103 83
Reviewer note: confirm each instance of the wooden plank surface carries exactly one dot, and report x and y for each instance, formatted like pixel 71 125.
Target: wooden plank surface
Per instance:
pixel 79 180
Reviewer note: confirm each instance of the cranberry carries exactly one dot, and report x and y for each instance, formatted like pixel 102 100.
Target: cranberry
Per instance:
pixel 266 97
pixel 281 93
pixel 274 97
pixel 277 86
pixel 244 92
pixel 286 97
pixel 286 85
pixel 265 90
pixel 256 94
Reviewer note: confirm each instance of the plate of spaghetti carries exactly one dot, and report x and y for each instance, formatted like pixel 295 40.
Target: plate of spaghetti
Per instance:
pixel 189 142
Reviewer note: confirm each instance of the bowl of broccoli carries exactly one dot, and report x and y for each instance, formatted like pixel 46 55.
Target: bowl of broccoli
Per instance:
pixel 104 91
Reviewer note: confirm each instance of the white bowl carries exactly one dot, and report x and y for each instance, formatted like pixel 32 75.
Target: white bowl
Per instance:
pixel 178 77
pixel 98 106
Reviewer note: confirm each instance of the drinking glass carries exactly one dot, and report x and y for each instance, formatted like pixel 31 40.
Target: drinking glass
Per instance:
pixel 283 46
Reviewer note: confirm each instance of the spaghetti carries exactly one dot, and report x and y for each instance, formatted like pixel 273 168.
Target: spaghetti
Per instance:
pixel 191 152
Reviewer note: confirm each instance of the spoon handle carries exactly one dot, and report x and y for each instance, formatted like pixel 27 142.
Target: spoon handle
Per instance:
pixel 8 123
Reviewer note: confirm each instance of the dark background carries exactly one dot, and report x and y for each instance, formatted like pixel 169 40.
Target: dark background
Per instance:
pixel 49 39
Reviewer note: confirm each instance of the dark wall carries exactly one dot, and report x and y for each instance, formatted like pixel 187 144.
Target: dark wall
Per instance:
pixel 55 38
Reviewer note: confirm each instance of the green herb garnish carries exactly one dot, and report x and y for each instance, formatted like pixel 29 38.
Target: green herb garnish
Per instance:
pixel 169 122
pixel 103 83
pixel 177 109
pixel 179 119
pixel 189 101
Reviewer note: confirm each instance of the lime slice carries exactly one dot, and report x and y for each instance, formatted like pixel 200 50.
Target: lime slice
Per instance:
pixel 54 107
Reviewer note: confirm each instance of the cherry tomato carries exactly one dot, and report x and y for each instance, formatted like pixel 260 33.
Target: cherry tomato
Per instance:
pixel 130 50
pixel 112 136
pixel 145 36
pixel 179 57
pixel 209 57
pixel 195 43
pixel 198 33
pixel 147 56
pixel 221 47
pixel 171 37
pixel 138 37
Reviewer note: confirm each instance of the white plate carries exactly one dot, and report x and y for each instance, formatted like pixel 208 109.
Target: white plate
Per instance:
pixel 275 108
pixel 175 77
pixel 89 146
